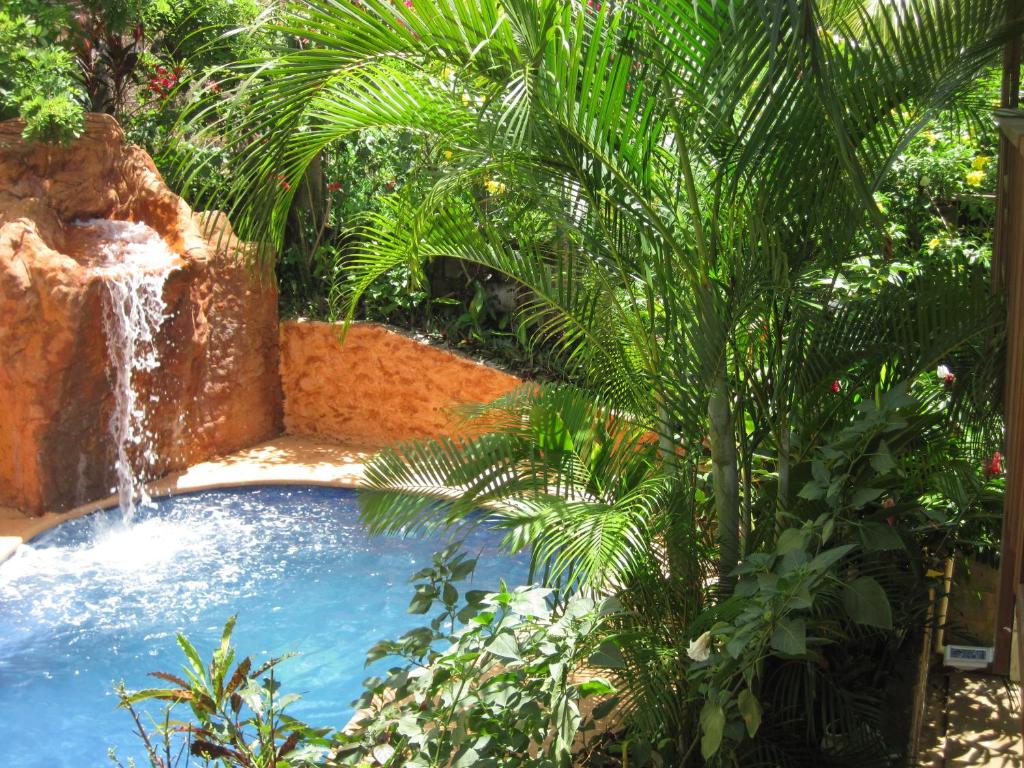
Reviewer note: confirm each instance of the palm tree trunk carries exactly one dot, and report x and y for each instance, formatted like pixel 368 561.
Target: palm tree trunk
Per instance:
pixel 783 495
pixel 725 478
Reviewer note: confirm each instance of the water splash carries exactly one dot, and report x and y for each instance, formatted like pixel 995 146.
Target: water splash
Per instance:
pixel 133 262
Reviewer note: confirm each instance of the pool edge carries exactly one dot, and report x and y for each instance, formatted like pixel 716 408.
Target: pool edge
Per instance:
pixel 285 460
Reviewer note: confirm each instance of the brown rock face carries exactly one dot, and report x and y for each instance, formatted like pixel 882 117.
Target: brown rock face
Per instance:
pixel 378 386
pixel 217 387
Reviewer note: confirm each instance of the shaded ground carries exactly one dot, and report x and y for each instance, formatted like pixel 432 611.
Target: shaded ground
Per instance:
pixel 973 720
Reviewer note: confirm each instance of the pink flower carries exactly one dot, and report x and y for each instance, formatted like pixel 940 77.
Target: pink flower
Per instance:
pixel 888 504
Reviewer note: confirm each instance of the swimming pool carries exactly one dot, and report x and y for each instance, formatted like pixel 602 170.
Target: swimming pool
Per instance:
pixel 93 602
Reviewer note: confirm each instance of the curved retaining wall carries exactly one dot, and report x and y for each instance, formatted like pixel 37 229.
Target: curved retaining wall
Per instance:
pixel 377 386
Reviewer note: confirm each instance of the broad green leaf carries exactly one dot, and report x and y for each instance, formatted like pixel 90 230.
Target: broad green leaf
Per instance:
pixel 882 460
pixel 812 491
pixel 829 557
pixel 878 537
pixel 790 637
pixel 504 645
pixel 863 496
pixel 866 603
pixel 791 539
pixel 608 656
pixel 595 687
pixel 750 710
pixel 423 599
pixel 449 594
pixel 712 726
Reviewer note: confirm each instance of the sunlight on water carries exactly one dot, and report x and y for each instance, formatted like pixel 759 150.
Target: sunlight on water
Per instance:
pixel 95 601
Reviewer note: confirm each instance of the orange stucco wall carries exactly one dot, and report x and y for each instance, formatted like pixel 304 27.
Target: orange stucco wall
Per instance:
pixel 377 386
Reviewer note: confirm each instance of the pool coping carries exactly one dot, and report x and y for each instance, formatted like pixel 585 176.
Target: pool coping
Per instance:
pixel 284 460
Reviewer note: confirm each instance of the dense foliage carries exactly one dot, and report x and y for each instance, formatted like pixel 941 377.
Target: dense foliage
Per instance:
pixel 757 236
pixel 485 694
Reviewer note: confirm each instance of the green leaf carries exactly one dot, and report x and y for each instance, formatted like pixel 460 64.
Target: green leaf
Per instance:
pixel 423 599
pixel 608 656
pixel 812 491
pixel 595 687
pixel 863 496
pixel 449 594
pixel 882 460
pixel 463 568
pixel 750 710
pixel 504 645
pixel 192 655
pixel 791 539
pixel 878 537
pixel 712 726
pixel 829 557
pixel 866 603
pixel 827 529
pixel 790 637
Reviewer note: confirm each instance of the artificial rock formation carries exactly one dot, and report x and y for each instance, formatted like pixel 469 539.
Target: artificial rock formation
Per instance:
pixel 377 386
pixel 217 389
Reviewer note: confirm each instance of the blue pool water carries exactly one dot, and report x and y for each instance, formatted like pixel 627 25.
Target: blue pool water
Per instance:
pixel 93 602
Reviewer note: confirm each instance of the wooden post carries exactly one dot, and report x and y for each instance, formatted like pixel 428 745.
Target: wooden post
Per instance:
pixel 1011 247
pixel 1008 275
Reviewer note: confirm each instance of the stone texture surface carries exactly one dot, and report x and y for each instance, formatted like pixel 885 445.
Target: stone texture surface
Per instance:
pixel 378 386
pixel 218 387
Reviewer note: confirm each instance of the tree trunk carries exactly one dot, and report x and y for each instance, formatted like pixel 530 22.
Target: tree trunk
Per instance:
pixel 725 478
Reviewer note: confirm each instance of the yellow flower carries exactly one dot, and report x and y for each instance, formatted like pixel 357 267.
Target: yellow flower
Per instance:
pixel 932 138
pixel 466 101
pixel 975 178
pixel 980 162
pixel 494 187
pixel 448 154
pixel 934 243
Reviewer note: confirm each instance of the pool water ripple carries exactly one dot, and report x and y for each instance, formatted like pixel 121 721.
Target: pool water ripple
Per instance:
pixel 93 602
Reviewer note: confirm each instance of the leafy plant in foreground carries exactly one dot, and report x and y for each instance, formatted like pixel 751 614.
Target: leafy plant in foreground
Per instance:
pixel 494 679
pixel 238 712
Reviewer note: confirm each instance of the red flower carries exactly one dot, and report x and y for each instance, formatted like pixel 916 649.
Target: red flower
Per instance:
pixel 334 186
pixel 994 466
pixel 836 386
pixel 891 520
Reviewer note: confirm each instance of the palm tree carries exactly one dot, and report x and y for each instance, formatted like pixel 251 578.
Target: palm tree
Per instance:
pixel 677 183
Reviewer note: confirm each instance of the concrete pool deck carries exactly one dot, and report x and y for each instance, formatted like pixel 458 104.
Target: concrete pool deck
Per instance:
pixel 285 460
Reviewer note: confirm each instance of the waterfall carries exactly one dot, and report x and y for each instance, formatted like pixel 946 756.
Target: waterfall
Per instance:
pixel 133 262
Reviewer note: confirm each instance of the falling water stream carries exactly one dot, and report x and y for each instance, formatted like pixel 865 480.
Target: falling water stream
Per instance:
pixel 133 262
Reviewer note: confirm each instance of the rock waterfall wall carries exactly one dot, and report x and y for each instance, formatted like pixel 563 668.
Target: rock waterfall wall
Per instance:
pixel 217 388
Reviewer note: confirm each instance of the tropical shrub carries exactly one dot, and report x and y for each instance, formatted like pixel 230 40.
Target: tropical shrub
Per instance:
pixel 38 79
pixel 691 197
pixel 494 679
